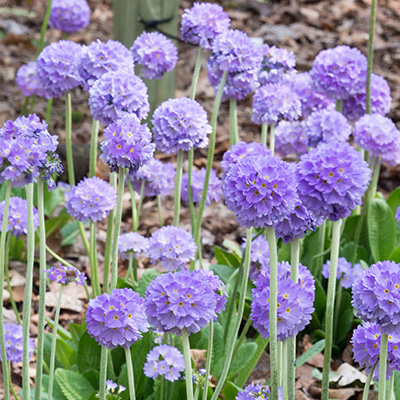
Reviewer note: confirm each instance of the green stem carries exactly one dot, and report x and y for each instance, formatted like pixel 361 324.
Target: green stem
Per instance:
pixel 197 392
pixel 188 364
pixel 32 104
pixel 25 105
pixel 178 184
pixel 196 73
pixel 232 300
pixel 264 134
pixel 370 54
pixel 209 357
pixel 162 384
pixel 133 203
pixel 375 178
pixel 93 148
pixel 83 236
pixel 272 138
pixel 233 123
pixel 139 207
pixel 130 268
pixel 131 378
pixel 11 384
pixel 382 367
pixel 339 105
pixel 53 344
pixel 280 362
pixel 159 208
pixel 44 28
pixel 330 301
pixel 337 308
pixel 135 278
pixel 285 367
pixel 242 300
pixel 391 388
pixel 103 373
pixel 68 139
pixel 94 272
pixel 242 336
pixel 368 383
pixel 317 267
pixel 48 109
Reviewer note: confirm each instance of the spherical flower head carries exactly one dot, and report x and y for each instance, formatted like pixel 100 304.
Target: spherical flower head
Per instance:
pixel 69 16
pixel 214 190
pixel 397 215
pixel 310 100
pixel 332 180
pixel 259 255
pixel 183 299
pixel 56 68
pixel 253 391
pixel 172 246
pixel 127 144
pixel 158 178
pixel 101 57
pixel 354 107
pixel 164 361
pixel 346 271
pixel 376 134
pixel 202 23
pixel 376 296
pixel 65 275
pixel 116 94
pixel 260 190
pixel 366 342
pixel 91 199
pixel 339 72
pixel 118 319
pixel 329 126
pixel 180 124
pixel 14 345
pixel 295 302
pixel 278 65
pixel 274 102
pixel 17 222
pixel 28 81
pixel 392 158
pixel 132 243
pixel 155 53
pixel 290 138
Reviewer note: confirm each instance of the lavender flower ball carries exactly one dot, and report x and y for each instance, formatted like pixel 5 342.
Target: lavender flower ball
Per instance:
pixel 345 270
pixel 376 296
pixel 397 215
pixel 56 68
pixel 295 302
pixel 28 81
pixel 183 299
pixel 132 243
pixel 180 124
pixel 69 16
pixel 118 319
pixel 91 199
pixel 339 72
pixel 253 391
pixel 376 134
pixel 274 102
pixel 327 126
pixel 202 23
pixel 172 246
pixel 260 190
pixel 155 53
pixel 62 274
pixel 117 94
pixel 214 190
pixel 332 180
pixel 18 216
pixel 354 107
pixel 159 178
pixel 164 361
pixel 101 57
pixel 392 158
pixel 290 138
pixel 13 337
pixel 127 144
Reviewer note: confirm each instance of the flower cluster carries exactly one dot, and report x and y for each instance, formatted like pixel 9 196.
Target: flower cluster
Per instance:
pixel 117 319
pixel 69 16
pixel 253 391
pixel 91 199
pixel 290 138
pixel 13 338
pixel 155 53
pixel 172 246
pixel 180 124
pixel 62 274
pixel 111 388
pixel 164 360
pixel 184 299
pixel 28 81
pixel 346 271
pixel 132 243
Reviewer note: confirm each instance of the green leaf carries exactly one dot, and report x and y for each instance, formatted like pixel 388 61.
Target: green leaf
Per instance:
pixel 346 318
pixel 92 375
pixel 56 223
pixel 225 258
pixel 230 390
pixel 348 252
pixel 69 232
pixel 349 231
pixel 381 230
pixel 396 388
pixel 393 200
pixel 233 246
pixel 242 357
pixel 65 354
pixel 122 284
pixel 52 199
pixel 223 271
pixel 64 334
pixel 89 353
pixel 320 300
pixel 76 332
pixel 217 359
pixel 310 353
pixel 73 385
pixel 395 256
pixel 284 252
pixel 148 276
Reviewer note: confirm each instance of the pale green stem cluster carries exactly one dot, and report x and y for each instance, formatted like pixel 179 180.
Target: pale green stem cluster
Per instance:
pixel 93 148
pixel 382 366
pixel 188 364
pixel 264 134
pixel 178 184
pixel 131 378
pixel 272 138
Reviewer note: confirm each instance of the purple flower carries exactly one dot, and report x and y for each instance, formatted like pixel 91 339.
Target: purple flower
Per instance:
pixel 117 319
pixel 332 180
pixel 260 190
pixel 376 296
pixel 159 178
pixel 116 94
pixel 295 302
pixel 214 190
pixel 180 124
pixel 69 16
pixel 397 215
pixel 155 53
pixel 202 23
pixel 354 107
pixel 92 199
pixel 132 243
pixel 274 102
pixel 28 81
pixel 112 386
pixel 164 360
pixel 327 126
pixel 62 274
pixel 366 342
pixel 13 338
pixel 253 391
pixel 56 68
pixel 376 134
pixel 183 299
pixel 127 144
pixel 172 246
pixel 345 271
pixel 392 158
pixel 159 336
pixel 290 138
pixel 339 72
pixel 259 255
pixel 101 57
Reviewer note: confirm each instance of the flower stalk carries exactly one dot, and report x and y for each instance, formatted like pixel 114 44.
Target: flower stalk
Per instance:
pixel 131 378
pixel 382 367
pixel 188 364
pixel 233 123
pixel 178 184
pixel 209 357
pixel 93 148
